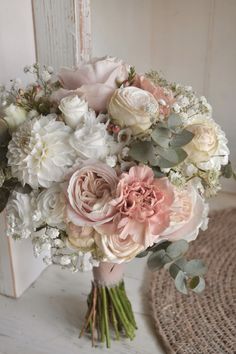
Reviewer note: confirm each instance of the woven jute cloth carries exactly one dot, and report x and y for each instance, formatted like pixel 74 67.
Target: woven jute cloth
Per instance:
pixel 206 323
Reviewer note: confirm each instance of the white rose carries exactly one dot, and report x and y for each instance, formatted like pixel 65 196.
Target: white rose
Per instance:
pixel 91 140
pixel 208 148
pixel 134 108
pixel 14 116
pixel 73 109
pixel 51 205
pixel 117 250
pixel 19 212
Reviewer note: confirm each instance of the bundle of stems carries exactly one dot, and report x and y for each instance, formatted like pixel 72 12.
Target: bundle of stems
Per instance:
pixel 109 311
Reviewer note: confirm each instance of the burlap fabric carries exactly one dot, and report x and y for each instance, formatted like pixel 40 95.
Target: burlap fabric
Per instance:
pixel 206 323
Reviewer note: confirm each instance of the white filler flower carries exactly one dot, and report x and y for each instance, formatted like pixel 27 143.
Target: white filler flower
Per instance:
pixel 39 152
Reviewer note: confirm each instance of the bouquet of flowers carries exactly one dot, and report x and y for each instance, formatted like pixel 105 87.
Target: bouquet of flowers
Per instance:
pixel 99 165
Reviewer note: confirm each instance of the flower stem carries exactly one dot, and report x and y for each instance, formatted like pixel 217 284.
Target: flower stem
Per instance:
pixel 109 306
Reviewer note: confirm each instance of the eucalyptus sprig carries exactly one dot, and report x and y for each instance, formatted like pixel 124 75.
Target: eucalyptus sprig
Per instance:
pixel 187 275
pixel 165 148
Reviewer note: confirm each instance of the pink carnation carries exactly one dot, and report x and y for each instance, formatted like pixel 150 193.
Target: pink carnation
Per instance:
pixel 163 96
pixel 142 206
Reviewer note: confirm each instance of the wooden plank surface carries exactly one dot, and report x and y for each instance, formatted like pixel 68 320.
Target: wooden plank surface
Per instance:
pixel 62 31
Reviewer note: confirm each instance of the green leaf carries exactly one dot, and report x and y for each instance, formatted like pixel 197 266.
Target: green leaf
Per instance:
pixel 161 136
pixel 181 139
pixel 176 266
pixel 142 254
pixel 4 195
pixel 174 156
pixel 180 282
pixel 4 133
pixel 195 267
pixel 143 151
pixel 160 246
pixel 197 284
pixel 177 249
pixel 157 172
pixel 157 260
pixel 174 121
pixel 227 170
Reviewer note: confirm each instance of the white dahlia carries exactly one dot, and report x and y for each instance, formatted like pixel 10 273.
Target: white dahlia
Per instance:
pixel 39 152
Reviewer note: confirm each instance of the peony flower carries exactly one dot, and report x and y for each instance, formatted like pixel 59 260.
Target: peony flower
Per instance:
pixel 134 108
pixel 143 207
pixel 19 211
pixel 164 97
pixel 188 215
pixel 116 249
pixel 51 205
pixel 89 191
pixel 39 152
pixel 80 238
pixel 94 81
pixel 73 109
pixel 15 116
pixel 208 148
pixel 91 140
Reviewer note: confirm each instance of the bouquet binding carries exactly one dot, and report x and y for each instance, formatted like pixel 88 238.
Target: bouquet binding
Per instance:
pixel 99 165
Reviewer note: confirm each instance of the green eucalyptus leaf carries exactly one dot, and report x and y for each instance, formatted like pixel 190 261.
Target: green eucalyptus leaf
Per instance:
pixel 197 284
pixel 157 260
pixel 181 139
pixel 161 136
pixel 180 282
pixel 177 249
pixel 227 170
pixel 176 266
pixel 142 151
pixel 4 195
pixel 174 156
pixel 142 254
pixel 195 267
pixel 157 172
pixel 160 246
pixel 174 121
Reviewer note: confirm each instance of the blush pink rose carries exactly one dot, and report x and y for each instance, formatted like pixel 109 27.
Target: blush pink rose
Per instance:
pixel 94 81
pixel 142 206
pixel 189 214
pixel 89 191
pixel 163 96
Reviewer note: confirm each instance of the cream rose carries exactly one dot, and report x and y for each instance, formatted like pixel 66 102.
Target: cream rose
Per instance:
pixel 134 108
pixel 80 238
pixel 14 116
pixel 208 148
pixel 73 109
pixel 189 214
pixel 116 249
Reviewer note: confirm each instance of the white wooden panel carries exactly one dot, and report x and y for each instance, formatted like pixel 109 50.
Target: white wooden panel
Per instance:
pixel 18 266
pixel 62 31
